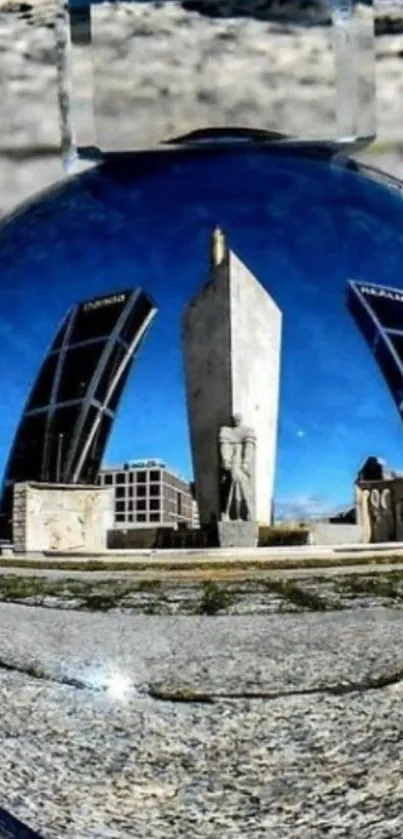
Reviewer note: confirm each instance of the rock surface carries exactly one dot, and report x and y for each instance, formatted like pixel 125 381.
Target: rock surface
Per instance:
pixel 305 766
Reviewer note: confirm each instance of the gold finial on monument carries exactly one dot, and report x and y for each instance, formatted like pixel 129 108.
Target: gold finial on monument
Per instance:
pixel 218 247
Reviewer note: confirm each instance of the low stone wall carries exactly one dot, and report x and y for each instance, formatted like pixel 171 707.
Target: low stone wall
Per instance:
pixel 276 536
pixel 61 517
pixel 162 538
pixel 325 533
pixel 167 538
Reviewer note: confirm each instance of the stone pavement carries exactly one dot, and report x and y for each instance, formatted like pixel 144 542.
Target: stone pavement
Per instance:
pixel 83 763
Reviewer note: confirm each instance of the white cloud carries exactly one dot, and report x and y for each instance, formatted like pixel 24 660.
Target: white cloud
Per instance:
pixel 302 507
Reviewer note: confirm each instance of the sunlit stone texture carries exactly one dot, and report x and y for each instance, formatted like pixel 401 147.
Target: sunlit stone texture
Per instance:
pixel 232 342
pixel 134 75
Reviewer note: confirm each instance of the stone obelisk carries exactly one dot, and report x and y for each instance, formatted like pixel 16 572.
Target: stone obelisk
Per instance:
pixel 232 346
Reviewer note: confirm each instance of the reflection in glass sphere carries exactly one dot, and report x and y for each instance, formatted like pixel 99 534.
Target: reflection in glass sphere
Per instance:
pixel 304 225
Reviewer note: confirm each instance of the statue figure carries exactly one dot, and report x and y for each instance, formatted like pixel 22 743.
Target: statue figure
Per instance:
pixel 237 454
pixel 218 247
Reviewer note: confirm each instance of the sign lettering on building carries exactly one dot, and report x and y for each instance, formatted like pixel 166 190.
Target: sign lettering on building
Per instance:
pixel 104 301
pixel 382 292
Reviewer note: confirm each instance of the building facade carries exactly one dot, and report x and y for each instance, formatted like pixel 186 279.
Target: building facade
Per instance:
pixel 378 313
pixel 232 345
pixel 148 494
pixel 69 414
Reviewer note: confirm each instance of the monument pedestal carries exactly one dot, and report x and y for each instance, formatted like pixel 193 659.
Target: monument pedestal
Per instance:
pixel 238 534
pixel 61 517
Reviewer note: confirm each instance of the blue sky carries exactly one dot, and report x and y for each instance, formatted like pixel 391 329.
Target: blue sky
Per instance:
pixel 303 227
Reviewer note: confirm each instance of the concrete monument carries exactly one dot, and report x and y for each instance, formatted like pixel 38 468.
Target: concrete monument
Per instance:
pixel 379 502
pixel 232 344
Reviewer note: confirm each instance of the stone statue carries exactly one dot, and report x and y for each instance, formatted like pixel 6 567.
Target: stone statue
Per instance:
pixel 218 248
pixel 237 455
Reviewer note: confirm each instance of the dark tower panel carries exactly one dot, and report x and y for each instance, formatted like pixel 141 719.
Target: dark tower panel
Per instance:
pixel 378 313
pixel 70 411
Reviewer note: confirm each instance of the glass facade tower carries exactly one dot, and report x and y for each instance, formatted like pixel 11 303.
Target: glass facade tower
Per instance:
pixel 67 419
pixel 378 313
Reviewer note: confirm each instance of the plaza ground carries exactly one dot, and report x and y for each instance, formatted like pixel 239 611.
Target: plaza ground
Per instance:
pixel 226 698
pixel 320 754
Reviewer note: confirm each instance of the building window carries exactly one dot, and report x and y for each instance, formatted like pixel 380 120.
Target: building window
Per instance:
pixel 108 479
pixel 130 506
pixel 120 492
pixel 141 491
pixel 141 517
pixel 131 477
pixel 154 504
pixel 120 517
pixel 141 477
pixel 141 504
pixel 178 503
pixel 130 492
pixel 155 489
pixel 121 478
pixel 155 475
pixel 154 517
pixel 130 517
pixel 120 506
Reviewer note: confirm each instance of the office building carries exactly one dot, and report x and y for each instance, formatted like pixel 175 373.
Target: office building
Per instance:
pixel 149 494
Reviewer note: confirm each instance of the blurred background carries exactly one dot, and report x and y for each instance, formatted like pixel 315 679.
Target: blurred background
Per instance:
pixel 265 62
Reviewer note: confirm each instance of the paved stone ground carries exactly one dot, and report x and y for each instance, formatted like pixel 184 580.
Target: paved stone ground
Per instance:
pixel 236 592
pixel 200 573
pixel 81 764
